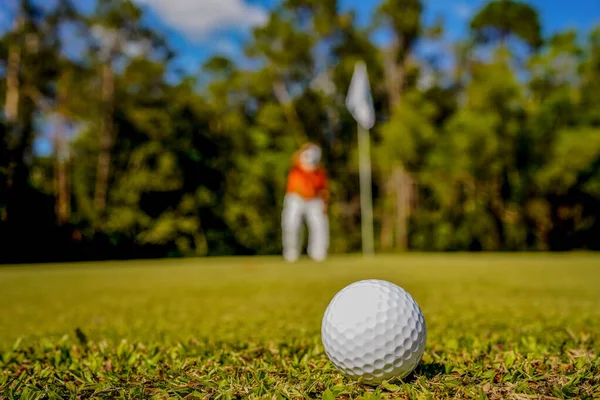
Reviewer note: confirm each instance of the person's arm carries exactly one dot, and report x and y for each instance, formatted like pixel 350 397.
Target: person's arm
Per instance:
pixel 294 182
pixel 290 182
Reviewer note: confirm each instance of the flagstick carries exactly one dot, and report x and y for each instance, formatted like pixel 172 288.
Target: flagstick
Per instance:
pixel 360 104
pixel 366 206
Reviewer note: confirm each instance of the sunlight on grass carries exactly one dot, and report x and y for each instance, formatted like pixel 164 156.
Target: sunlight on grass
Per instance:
pixel 498 326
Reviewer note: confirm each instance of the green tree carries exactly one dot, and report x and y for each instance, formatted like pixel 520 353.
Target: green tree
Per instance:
pixel 33 57
pixel 403 20
pixel 118 35
pixel 490 155
pixel 472 171
pixel 565 188
pixel 498 20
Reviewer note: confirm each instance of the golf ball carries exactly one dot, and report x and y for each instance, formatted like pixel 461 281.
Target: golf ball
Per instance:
pixel 373 330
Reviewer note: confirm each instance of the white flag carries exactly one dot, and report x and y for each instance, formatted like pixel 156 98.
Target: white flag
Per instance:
pixel 359 100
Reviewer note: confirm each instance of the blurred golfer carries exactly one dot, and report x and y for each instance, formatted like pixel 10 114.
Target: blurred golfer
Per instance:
pixel 306 198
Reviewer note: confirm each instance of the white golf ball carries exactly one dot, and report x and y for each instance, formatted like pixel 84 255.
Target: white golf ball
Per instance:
pixel 373 330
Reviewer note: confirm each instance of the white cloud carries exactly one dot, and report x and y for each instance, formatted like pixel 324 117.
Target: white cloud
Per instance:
pixel 199 18
pixel 108 39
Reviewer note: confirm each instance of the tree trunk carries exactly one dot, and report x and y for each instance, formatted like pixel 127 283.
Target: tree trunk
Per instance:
pixel 399 188
pixel 398 179
pixel 404 202
pixel 387 224
pixel 400 185
pixel 394 75
pixel 17 135
pixel 11 108
pixel 497 208
pixel 61 178
pixel 106 139
pixel 61 152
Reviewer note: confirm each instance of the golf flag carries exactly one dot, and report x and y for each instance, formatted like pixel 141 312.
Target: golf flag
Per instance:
pixel 360 104
pixel 359 100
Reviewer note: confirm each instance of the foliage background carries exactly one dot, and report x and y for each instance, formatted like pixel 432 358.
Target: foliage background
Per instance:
pixel 500 152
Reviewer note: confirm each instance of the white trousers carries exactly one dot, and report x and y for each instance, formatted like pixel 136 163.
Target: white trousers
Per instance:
pixel 295 210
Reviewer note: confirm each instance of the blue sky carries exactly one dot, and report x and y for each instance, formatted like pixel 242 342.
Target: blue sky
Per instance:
pixel 197 29
pixel 194 46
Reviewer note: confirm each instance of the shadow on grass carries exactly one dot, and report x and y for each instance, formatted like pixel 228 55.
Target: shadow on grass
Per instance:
pixel 428 370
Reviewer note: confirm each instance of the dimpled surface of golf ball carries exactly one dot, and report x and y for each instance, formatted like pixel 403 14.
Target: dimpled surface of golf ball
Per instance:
pixel 373 330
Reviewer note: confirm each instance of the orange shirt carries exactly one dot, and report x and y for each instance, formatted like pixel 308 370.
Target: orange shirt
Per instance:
pixel 307 184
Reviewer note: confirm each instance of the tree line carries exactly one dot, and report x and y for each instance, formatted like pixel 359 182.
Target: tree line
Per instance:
pixel 488 143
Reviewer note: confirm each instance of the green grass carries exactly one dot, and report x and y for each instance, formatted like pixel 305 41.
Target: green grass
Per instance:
pixel 499 327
